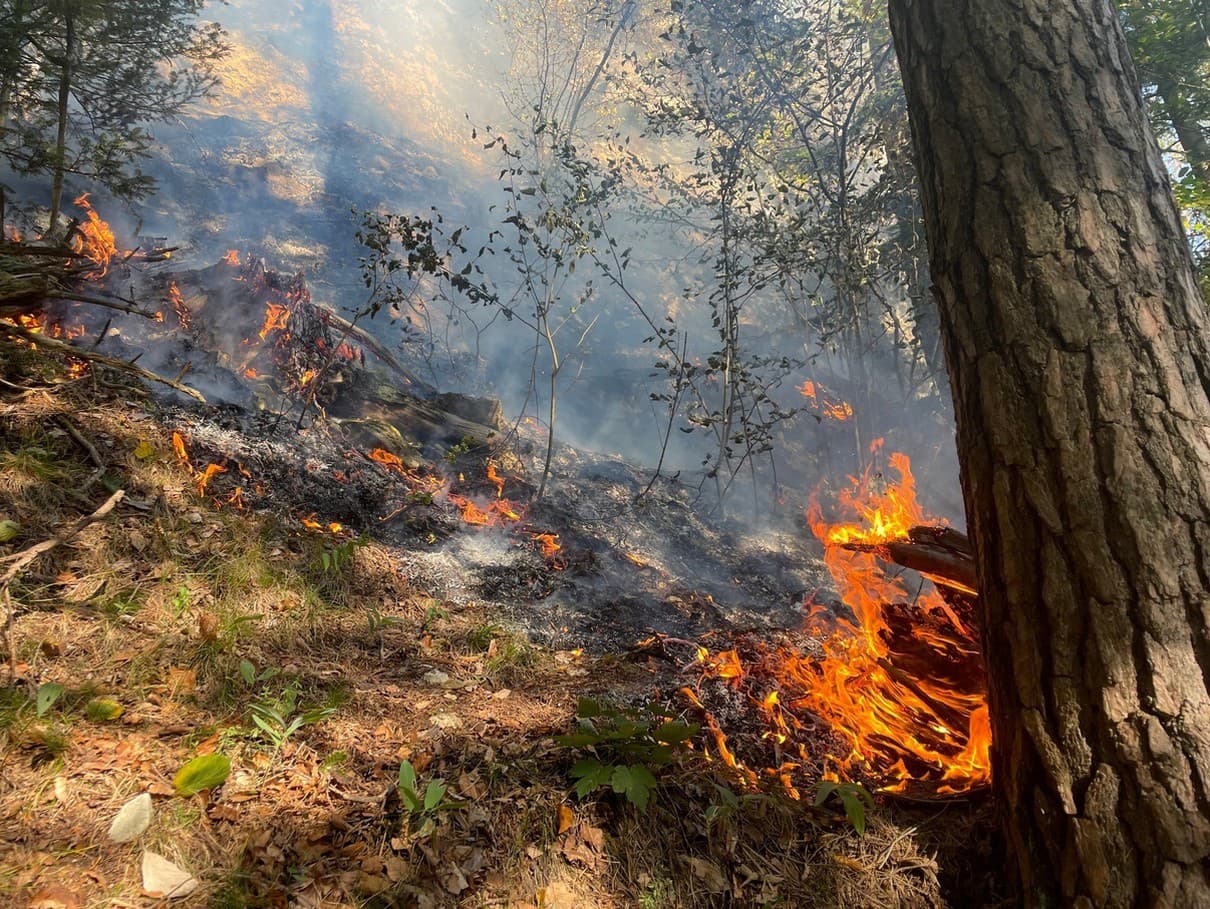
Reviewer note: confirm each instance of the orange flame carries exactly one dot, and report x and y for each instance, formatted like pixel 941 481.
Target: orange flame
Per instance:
pixel 312 523
pixel 276 317
pixel 232 258
pixel 202 480
pixel 178 445
pixel 183 315
pixel 549 542
pixel 96 241
pixel 495 479
pixel 387 459
pixel 495 513
pixel 888 717
pixel 928 723
pixel 823 401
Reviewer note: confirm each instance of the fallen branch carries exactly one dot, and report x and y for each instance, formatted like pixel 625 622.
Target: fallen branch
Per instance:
pixel 93 357
pixel 120 306
pixel 21 560
pixel 368 341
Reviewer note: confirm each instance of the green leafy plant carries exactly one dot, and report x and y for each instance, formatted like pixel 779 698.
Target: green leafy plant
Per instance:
pixel 376 622
pixel 422 807
pixel 626 746
pixel 335 559
pixel 181 601
pixel 433 615
pixel 281 717
pixel 465 446
pixel 854 798
pixel 251 678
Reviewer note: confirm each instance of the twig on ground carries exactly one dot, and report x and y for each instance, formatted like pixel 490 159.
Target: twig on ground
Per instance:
pixel 93 454
pixel 25 557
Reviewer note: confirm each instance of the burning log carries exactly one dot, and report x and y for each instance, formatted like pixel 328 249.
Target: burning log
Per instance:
pixel 941 554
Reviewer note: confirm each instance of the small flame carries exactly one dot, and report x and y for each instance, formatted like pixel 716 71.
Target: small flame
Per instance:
pixel 549 543
pixel 183 315
pixel 312 523
pixel 178 445
pixel 495 479
pixel 276 318
pixel 202 480
pixel 387 459
pixel 828 405
pixel 232 258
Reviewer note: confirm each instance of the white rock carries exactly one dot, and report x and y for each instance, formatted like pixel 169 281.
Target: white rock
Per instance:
pixel 133 818
pixel 162 878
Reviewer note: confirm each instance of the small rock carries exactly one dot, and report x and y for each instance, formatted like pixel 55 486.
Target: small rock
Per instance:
pixel 446 720
pixel 435 678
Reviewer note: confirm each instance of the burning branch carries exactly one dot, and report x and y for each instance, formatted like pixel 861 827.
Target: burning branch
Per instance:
pixel 111 362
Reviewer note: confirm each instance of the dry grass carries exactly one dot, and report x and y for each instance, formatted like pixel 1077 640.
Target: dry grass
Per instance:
pixel 164 609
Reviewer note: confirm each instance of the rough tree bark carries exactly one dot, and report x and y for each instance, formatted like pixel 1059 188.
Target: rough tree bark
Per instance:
pixel 1079 353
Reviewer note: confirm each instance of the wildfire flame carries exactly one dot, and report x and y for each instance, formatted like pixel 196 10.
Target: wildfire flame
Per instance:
pixel 96 241
pixel 276 317
pixel 549 543
pixel 232 258
pixel 901 684
pixel 183 315
pixel 890 718
pixel 824 402
pixel 202 479
pixel 495 479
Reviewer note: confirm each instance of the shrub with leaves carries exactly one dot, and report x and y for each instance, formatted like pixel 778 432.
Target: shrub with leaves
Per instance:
pixel 421 806
pixel 626 747
pixel 854 797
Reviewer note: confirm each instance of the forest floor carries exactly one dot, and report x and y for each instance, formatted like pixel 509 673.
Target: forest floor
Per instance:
pixel 174 629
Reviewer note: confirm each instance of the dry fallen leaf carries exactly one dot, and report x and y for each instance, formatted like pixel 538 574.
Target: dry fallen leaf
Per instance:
pixel 207 627
pixel 566 818
pixel 133 818
pixel 161 878
pixel 55 897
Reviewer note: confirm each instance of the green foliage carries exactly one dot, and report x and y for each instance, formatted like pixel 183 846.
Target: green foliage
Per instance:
pixel 466 445
pixel 279 718
pixel 626 745
pixel 422 807
pixel 48 694
pixel 203 772
pixel 82 79
pixel 432 615
pixel 103 710
pixel 181 600
pixel 336 558
pixel 251 678
pixel 854 797
pixel 376 622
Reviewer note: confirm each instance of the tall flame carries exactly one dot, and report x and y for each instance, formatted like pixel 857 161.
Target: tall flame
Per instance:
pixel 96 241
pixel 898 725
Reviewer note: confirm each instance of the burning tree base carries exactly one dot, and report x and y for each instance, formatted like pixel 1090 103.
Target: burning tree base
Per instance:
pixel 899 682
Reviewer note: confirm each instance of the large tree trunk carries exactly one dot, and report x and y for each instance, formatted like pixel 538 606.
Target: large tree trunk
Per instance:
pixel 1079 353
